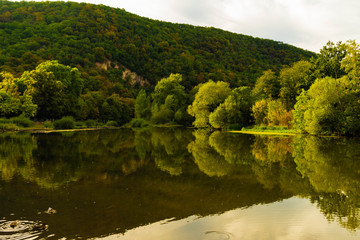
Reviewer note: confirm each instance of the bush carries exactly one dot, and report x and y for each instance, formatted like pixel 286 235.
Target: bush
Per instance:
pixel 22 121
pixel 139 123
pixel 48 124
pixel 91 123
pixel 8 127
pixel 65 123
pixel 112 124
pixel 4 120
pixel 80 124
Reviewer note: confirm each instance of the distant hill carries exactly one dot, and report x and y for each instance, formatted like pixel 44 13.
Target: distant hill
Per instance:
pixel 96 38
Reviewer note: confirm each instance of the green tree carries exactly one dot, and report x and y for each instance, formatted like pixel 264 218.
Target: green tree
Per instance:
pixel 292 80
pixel 209 96
pixel 271 113
pixel 328 63
pixel 260 112
pixel 12 101
pixel 317 110
pixel 142 105
pixel 168 98
pixel 56 89
pixel 266 86
pixel 114 109
pixel 236 109
pixel 351 61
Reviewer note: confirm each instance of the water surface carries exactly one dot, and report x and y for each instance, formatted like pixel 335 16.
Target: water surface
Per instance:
pixel 178 184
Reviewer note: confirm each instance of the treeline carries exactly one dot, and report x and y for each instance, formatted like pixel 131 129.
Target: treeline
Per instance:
pixel 100 41
pixel 320 96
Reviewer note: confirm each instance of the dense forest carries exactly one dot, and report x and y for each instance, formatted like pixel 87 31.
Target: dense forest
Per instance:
pixel 87 36
pixel 92 62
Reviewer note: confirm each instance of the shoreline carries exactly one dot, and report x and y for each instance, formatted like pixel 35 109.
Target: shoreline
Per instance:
pixel 264 133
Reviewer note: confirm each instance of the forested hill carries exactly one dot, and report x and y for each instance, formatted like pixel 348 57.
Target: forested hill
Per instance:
pixel 86 36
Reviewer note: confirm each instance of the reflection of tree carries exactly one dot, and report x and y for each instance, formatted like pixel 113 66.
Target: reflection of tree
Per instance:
pixel 143 143
pixel 325 169
pixel 333 168
pixel 272 149
pixel 273 164
pixel 337 206
pixel 109 152
pixel 15 152
pixel 52 160
pixel 330 164
pixel 169 148
pixel 208 160
pixel 234 148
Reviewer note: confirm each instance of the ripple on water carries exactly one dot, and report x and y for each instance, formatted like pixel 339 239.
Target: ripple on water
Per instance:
pixel 217 235
pixel 21 230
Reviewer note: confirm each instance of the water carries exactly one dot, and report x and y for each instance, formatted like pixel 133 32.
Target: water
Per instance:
pixel 178 184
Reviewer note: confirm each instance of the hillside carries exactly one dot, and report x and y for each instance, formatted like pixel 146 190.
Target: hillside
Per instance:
pixel 95 37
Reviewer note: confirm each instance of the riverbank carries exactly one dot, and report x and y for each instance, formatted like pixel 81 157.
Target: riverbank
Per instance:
pixel 266 131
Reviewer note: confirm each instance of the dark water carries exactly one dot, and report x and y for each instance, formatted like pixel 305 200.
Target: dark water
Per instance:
pixel 178 184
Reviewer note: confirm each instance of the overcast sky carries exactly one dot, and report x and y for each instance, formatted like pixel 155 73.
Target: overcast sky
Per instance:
pixel 308 24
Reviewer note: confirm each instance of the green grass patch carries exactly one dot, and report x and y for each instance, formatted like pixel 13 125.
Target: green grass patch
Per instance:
pixel 276 130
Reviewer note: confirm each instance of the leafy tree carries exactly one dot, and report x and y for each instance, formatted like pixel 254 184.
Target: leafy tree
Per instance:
pixel 209 96
pixel 266 86
pixel 236 109
pixel 260 112
pixel 90 105
pixel 293 80
pixel 169 97
pixel 114 109
pixel 328 63
pixel 271 113
pixel 12 101
pixel 351 61
pixel 56 89
pixel 142 106
pixel 278 115
pixel 317 110
pixel 332 105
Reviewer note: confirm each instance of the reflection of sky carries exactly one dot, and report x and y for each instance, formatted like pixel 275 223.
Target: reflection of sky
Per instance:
pixel 291 219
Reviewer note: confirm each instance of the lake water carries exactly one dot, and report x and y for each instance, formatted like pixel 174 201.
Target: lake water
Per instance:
pixel 177 184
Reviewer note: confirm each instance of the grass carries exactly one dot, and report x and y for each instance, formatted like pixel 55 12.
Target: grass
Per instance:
pixel 272 130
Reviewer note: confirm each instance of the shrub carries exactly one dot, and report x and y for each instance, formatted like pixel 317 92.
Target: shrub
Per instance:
pixel 4 120
pixel 65 123
pixel 91 123
pixel 139 123
pixel 8 127
pixel 22 121
pixel 48 124
pixel 112 124
pixel 80 124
